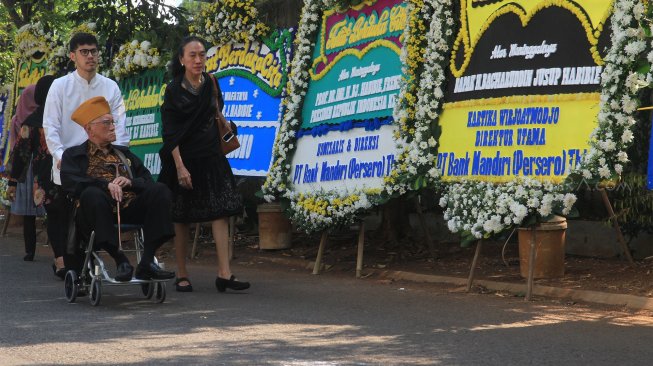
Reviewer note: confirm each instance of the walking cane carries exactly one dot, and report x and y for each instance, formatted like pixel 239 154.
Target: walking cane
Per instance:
pixel 117 167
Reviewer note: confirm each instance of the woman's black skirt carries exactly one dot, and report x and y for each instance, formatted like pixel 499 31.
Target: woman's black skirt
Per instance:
pixel 214 194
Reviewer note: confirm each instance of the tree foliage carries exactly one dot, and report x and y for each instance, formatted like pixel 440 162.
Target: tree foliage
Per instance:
pixel 117 21
pixel 120 21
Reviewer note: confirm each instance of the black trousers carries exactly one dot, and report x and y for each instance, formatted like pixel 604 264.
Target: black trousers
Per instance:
pixel 29 234
pixel 151 208
pixel 58 211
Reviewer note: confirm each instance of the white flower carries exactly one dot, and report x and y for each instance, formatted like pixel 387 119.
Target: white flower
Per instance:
pixel 604 172
pixel 622 156
pixel 627 136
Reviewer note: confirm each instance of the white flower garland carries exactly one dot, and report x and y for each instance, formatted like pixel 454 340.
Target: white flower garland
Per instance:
pixel 620 83
pixel 415 167
pixel 135 57
pixel 228 21
pixel 275 184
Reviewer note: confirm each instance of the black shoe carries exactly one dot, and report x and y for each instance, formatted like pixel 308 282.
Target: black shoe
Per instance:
pixel 222 285
pixel 29 257
pixel 152 271
pixel 124 272
pixel 180 288
pixel 61 272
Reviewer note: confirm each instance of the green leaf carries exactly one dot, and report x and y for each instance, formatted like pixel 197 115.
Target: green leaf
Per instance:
pixel 647 31
pixel 418 183
pixel 573 213
pixel 643 67
pixel 530 220
pixel 548 217
pixel 467 240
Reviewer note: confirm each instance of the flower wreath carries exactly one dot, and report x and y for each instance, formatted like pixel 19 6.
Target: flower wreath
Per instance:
pixel 227 21
pixel 482 209
pixel 320 210
pixel 134 57
pixel 4 200
pixel 32 38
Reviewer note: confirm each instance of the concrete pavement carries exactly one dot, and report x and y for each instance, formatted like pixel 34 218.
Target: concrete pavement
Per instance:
pixel 290 317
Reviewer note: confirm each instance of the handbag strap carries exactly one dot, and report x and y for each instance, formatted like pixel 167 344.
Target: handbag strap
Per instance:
pixel 214 86
pixel 218 120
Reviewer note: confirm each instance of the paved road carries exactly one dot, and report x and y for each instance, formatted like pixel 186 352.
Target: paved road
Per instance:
pixel 290 317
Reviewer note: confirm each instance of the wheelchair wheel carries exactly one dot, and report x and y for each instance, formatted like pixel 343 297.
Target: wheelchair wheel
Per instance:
pixel 96 292
pixel 71 286
pixel 148 290
pixel 160 292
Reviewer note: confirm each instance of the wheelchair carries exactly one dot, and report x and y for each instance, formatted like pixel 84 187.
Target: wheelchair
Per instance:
pixel 93 275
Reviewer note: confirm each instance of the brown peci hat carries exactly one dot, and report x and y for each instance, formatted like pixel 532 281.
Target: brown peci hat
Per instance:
pixel 90 110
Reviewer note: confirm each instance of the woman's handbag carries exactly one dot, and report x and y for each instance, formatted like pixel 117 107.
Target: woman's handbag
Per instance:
pixel 227 130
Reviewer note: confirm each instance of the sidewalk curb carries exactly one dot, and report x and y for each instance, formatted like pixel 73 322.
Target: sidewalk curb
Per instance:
pixel 630 301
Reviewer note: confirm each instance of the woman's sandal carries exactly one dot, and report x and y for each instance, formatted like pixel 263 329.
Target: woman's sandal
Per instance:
pixel 180 288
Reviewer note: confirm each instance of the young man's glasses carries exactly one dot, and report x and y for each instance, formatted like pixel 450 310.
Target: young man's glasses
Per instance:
pixel 86 51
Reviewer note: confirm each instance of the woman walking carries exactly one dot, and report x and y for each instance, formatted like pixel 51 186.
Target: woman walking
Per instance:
pixel 20 184
pixel 193 165
pixel 32 161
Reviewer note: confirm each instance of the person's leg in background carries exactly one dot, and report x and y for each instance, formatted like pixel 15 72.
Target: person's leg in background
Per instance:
pixel 29 235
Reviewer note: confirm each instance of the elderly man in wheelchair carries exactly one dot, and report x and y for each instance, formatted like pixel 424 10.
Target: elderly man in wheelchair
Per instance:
pixel 110 183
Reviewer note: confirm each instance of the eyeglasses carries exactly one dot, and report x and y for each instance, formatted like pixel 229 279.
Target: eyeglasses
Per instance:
pixel 106 122
pixel 86 51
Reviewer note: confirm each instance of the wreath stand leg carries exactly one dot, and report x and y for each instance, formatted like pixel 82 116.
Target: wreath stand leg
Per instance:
pixel 232 235
pixel 361 244
pixel 6 223
pixel 470 279
pixel 427 235
pixel 320 252
pixel 617 228
pixel 195 239
pixel 531 265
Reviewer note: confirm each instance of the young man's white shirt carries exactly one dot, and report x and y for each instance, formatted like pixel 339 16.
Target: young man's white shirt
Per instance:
pixel 65 95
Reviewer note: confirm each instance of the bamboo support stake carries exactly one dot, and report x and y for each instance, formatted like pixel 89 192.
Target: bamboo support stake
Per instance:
pixel 470 279
pixel 617 228
pixel 320 252
pixel 361 244
pixel 531 264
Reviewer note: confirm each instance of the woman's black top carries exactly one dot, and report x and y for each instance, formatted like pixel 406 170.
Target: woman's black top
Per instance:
pixel 188 122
